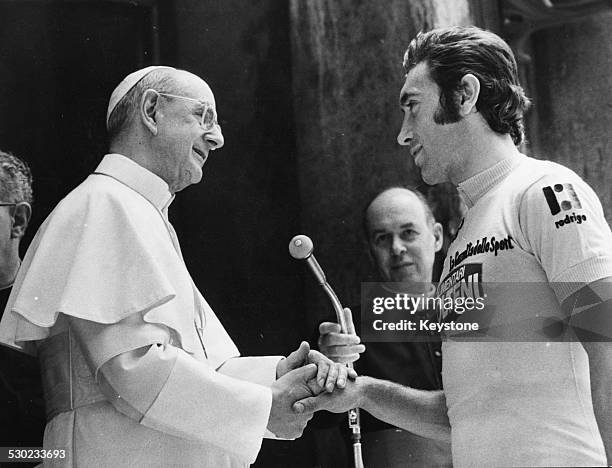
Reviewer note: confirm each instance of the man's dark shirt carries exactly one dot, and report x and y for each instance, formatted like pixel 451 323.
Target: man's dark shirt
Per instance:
pixel 22 420
pixel 417 364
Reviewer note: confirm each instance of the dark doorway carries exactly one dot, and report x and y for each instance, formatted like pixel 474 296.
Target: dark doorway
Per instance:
pixel 59 61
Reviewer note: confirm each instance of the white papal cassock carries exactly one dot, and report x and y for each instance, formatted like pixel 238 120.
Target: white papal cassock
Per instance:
pixel 137 369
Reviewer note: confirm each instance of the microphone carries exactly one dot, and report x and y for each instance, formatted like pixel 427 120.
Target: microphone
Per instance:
pixel 301 248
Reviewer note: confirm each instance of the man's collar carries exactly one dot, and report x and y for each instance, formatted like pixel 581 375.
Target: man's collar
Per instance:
pixel 472 189
pixel 143 181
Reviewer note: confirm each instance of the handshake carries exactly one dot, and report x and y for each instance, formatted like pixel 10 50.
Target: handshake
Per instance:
pixel 308 381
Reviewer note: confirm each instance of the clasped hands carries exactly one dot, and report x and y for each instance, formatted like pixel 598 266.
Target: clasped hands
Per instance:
pixel 308 381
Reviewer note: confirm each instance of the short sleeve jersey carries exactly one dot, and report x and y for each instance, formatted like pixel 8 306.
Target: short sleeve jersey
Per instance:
pixel 523 398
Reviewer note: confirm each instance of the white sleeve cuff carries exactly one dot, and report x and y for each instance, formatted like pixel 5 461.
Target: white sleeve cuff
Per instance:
pixel 258 369
pixel 199 403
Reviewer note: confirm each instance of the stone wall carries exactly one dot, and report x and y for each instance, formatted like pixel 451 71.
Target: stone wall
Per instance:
pixel 572 72
pixel 347 74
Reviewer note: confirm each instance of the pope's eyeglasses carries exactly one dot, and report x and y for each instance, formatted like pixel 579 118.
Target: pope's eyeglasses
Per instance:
pixel 209 115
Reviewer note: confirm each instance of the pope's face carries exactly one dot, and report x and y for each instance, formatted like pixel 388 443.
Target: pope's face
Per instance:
pixel 183 144
pixel 433 146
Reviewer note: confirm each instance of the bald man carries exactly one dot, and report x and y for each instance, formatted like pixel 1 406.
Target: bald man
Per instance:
pixel 137 369
pixel 403 238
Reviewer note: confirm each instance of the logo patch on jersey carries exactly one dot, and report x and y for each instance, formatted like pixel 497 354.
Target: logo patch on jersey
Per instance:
pixel 561 197
pixel 573 218
pixel 464 281
pixel 484 245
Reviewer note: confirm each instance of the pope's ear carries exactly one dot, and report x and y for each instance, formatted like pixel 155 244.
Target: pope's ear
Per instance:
pixel 148 110
pixel 21 218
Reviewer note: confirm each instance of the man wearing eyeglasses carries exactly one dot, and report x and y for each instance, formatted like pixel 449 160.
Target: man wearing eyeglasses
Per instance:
pixel 15 211
pixel 21 406
pixel 138 370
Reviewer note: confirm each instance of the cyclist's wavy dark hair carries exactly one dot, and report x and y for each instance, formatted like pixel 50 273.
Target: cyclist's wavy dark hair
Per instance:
pixel 451 53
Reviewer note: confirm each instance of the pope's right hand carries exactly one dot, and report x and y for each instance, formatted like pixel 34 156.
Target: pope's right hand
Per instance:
pixel 338 346
pixel 295 385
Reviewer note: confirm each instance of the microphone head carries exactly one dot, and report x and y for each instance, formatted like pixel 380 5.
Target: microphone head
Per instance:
pixel 301 247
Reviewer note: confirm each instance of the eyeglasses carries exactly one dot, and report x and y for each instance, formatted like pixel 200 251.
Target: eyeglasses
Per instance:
pixel 14 203
pixel 209 115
